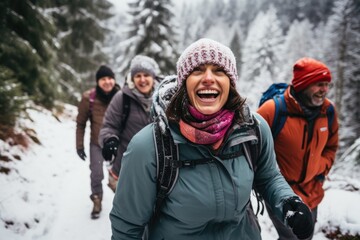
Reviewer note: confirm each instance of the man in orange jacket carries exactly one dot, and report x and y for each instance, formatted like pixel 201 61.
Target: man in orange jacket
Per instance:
pixel 306 146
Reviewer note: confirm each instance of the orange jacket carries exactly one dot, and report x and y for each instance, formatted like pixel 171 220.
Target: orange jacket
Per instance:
pixel 304 165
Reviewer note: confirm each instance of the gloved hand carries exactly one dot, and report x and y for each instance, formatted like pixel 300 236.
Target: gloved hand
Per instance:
pixel 110 149
pixel 81 153
pixel 298 217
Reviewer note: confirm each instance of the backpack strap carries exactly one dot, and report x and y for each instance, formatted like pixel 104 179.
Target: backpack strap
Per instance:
pixel 126 111
pixel 92 97
pixel 167 165
pixel 252 152
pixel 280 115
pixel 330 113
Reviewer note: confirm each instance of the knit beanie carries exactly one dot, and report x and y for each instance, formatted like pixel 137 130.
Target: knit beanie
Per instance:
pixel 307 71
pixel 104 71
pixel 145 64
pixel 206 51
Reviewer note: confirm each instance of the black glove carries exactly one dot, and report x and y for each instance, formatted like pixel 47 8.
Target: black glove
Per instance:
pixel 298 217
pixel 81 153
pixel 110 149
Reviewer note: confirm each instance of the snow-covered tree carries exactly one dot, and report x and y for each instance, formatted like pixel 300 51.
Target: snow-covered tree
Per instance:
pixel 235 46
pixel 81 34
pixel 315 11
pixel 152 33
pixel 344 55
pixel 192 27
pixel 262 50
pixel 299 42
pixel 26 49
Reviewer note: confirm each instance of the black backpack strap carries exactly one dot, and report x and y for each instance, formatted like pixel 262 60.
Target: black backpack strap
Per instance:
pixel 330 113
pixel 167 165
pixel 252 152
pixel 126 111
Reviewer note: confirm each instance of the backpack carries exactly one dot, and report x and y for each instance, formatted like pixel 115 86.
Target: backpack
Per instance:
pixel 276 92
pixel 126 107
pixel 168 163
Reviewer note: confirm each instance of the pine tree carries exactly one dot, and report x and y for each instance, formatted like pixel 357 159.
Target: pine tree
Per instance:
pixel 151 33
pixel 262 50
pixel 27 49
pixel 80 37
pixel 299 42
pixel 235 46
pixel 344 58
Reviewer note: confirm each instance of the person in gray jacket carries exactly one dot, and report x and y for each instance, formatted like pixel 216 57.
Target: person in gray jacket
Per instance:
pixel 113 137
pixel 207 119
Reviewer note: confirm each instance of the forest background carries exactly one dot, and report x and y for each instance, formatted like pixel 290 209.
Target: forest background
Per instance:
pixel 50 51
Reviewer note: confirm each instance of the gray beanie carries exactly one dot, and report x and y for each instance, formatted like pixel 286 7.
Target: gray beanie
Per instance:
pixel 205 51
pixel 145 64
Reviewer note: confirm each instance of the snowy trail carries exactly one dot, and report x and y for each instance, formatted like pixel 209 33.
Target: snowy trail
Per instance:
pixel 49 191
pixel 73 204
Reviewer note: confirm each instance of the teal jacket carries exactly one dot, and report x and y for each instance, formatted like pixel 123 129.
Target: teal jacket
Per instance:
pixel 209 201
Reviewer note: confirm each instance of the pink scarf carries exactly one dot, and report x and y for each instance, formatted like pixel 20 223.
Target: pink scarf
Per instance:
pixel 207 129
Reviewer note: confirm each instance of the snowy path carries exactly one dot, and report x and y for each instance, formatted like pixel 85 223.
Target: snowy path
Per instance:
pixel 47 197
pixel 73 205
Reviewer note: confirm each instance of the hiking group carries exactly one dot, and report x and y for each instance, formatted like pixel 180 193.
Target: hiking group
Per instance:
pixel 187 153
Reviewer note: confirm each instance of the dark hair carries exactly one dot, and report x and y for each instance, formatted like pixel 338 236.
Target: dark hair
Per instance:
pixel 174 111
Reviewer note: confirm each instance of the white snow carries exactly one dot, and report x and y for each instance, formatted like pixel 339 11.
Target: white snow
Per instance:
pixel 46 193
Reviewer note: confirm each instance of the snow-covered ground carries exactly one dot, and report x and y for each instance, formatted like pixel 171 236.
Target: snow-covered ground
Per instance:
pixel 46 193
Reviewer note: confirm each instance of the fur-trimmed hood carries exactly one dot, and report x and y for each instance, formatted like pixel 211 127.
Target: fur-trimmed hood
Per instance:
pixel 161 99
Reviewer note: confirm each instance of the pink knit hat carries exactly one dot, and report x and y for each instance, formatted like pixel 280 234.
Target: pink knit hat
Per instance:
pixel 205 51
pixel 307 71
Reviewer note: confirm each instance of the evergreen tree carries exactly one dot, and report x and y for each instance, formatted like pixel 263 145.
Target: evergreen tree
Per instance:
pixel 233 10
pixel 11 102
pixel 80 39
pixel 251 10
pixel 299 42
pixel 262 50
pixel 26 49
pixel 192 26
pixel 46 44
pixel 315 11
pixel 235 46
pixel 344 58
pixel 150 33
pixel 263 46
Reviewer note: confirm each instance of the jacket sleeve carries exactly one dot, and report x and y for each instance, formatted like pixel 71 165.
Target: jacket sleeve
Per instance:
pixel 329 152
pixel 112 119
pixel 81 119
pixel 268 180
pixel 136 190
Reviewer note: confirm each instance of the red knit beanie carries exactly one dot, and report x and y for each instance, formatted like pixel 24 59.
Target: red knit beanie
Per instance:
pixel 307 71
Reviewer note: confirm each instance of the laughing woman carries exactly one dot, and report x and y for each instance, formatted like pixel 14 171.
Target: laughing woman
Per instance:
pixel 208 119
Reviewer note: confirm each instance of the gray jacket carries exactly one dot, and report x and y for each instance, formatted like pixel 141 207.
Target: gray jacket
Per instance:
pixel 137 119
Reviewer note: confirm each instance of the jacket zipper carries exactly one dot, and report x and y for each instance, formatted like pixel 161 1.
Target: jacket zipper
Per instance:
pixel 306 156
